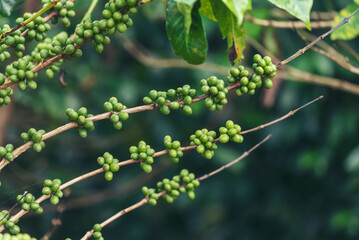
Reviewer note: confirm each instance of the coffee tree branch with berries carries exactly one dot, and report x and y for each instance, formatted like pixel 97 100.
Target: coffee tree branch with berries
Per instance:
pixel 32 44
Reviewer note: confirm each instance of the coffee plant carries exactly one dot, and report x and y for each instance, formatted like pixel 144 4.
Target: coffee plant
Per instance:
pixel 38 45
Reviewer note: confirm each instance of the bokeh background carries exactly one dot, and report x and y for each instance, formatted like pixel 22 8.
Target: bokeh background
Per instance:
pixel 302 184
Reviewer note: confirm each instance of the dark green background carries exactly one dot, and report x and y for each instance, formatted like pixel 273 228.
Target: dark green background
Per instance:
pixel 299 185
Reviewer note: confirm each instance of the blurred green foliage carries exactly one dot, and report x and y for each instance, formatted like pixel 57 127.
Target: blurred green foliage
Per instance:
pixel 302 184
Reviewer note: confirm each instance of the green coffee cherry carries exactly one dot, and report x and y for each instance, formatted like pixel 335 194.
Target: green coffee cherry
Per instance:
pixel 181 183
pixel 81 117
pixel 35 137
pixel 173 148
pixel 114 106
pixel 172 99
pixel 216 91
pixel 6 152
pixel 28 203
pixel 204 140
pixel 230 132
pixel 52 187
pixel 144 153
pixel 19 236
pixel 109 165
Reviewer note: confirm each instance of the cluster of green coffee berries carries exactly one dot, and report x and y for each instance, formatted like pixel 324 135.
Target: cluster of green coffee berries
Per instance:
pixel 42 51
pixel 172 99
pixel 204 140
pixel 11 225
pixel 28 203
pixel 35 137
pixel 12 40
pixel 113 106
pixel 62 43
pixel 264 66
pixel 97 232
pixel 115 15
pixel 20 236
pixel 93 29
pixel 217 92
pixel 6 152
pixel 65 11
pixel 173 148
pixel 144 153
pixel 81 118
pixel 184 182
pixel 4 54
pixel 52 187
pixel 37 28
pixel 5 93
pixel 116 18
pixel 109 165
pixel 151 195
pixel 20 70
pixel 264 70
pixel 230 132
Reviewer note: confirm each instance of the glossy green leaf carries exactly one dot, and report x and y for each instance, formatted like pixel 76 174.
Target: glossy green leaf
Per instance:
pixel 349 30
pixel 190 44
pixel 7 6
pixel 234 32
pixel 298 8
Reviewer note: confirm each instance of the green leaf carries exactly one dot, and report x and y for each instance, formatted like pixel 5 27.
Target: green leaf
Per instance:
pixel 185 7
pixel 349 30
pixel 206 10
pixel 356 1
pixel 188 42
pixel 238 43
pixel 231 29
pixel 298 8
pixel 7 6
pixel 238 8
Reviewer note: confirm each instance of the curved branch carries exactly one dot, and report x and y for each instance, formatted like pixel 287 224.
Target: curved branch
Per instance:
pixel 330 53
pixel 303 50
pixel 294 74
pixel 144 201
pixel 47 62
pixel 157 154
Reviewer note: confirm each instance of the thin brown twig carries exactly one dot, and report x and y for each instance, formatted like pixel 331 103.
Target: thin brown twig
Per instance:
pixel 139 53
pixel 47 62
pixel 291 113
pixel 157 154
pixel 294 74
pixel 330 53
pixel 303 50
pixel 14 206
pixel 245 154
pixel 349 49
pixel 288 24
pixel 144 201
pixel 98 117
